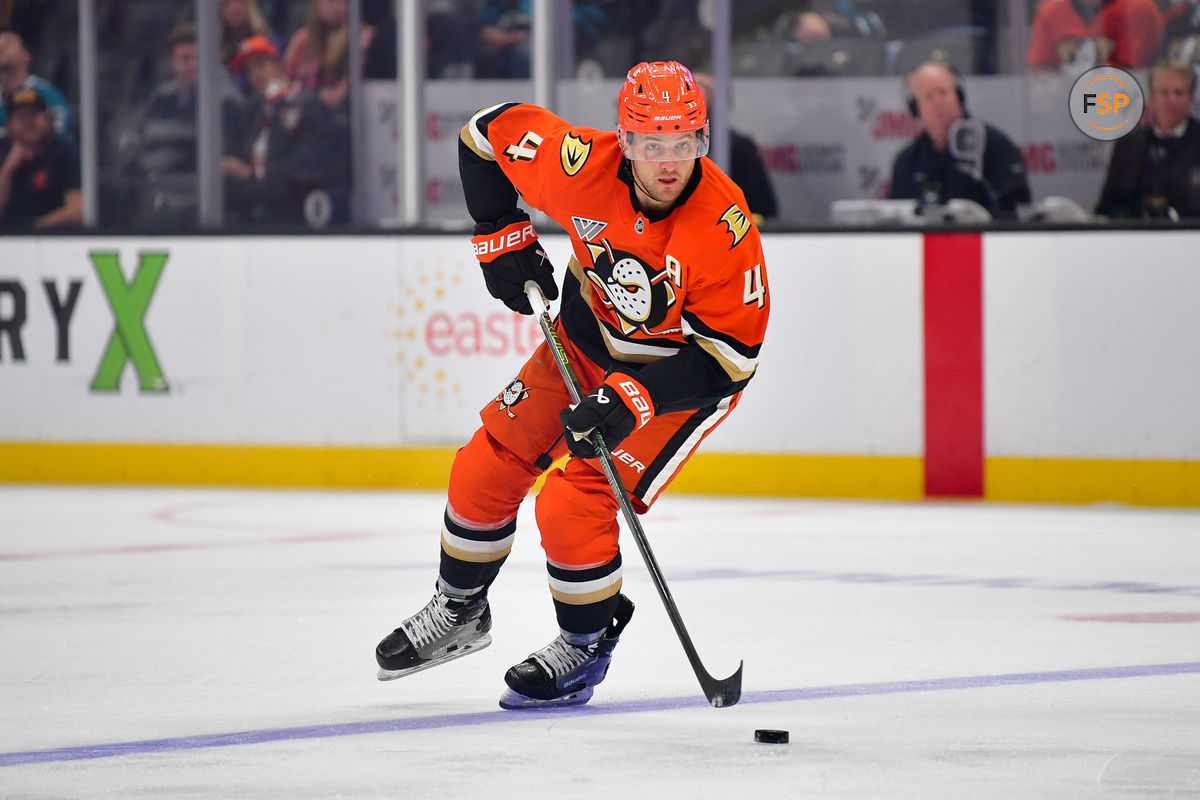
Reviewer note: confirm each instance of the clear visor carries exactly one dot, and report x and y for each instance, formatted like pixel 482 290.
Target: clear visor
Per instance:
pixel 664 146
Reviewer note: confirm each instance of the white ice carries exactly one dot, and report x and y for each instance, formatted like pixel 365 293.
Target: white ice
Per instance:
pixel 219 643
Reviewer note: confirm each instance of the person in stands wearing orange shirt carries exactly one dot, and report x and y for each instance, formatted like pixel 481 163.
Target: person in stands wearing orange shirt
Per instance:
pixel 1075 35
pixel 664 308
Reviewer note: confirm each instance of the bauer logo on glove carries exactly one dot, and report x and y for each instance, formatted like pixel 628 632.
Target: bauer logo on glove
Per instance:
pixel 487 247
pixel 616 408
pixel 509 255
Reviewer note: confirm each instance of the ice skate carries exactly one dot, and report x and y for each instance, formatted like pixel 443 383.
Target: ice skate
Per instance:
pixel 445 629
pixel 562 673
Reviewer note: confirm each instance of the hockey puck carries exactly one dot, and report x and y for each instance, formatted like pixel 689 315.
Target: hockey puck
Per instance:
pixel 768 736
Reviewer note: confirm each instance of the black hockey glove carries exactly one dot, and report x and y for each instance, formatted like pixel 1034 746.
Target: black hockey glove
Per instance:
pixel 509 253
pixel 616 408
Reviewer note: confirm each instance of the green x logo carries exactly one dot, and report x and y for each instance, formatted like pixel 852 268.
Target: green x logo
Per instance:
pixel 129 341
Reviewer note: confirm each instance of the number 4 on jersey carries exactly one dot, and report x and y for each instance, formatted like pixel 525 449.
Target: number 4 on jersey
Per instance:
pixel 756 292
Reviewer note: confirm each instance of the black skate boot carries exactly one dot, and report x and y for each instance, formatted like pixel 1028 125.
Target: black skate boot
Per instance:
pixel 445 629
pixel 562 673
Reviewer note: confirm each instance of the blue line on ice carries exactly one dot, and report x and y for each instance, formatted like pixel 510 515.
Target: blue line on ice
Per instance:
pixel 627 707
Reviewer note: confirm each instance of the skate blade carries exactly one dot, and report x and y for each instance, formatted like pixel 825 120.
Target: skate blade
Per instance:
pixel 466 650
pixel 514 701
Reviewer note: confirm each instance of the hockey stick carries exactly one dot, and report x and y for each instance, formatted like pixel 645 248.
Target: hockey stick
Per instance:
pixel 720 692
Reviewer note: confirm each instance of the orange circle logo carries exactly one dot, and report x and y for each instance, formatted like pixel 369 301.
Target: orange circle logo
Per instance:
pixel 1106 103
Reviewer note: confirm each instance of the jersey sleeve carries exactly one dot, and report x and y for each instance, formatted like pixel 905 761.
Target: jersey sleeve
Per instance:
pixel 508 149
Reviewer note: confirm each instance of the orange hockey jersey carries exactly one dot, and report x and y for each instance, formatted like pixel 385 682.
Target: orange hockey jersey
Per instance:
pixel 680 300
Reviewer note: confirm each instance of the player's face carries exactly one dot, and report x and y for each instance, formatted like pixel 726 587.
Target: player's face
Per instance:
pixel 937 100
pixel 660 183
pixel 662 164
pixel 1170 99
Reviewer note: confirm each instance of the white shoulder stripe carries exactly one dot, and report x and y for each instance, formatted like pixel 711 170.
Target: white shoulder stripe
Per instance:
pixel 480 140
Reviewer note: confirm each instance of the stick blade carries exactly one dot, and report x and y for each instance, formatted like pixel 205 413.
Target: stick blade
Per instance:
pixel 722 693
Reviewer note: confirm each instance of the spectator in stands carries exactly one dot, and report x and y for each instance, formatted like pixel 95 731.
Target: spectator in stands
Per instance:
pixel 1181 37
pixel 241 19
pixel 671 30
pixel 827 20
pixel 26 17
pixel 281 15
pixel 492 39
pixel 1075 35
pixel 956 156
pixel 746 167
pixel 291 163
pixel 39 178
pixel 379 53
pixel 317 55
pixel 962 32
pixel 451 39
pixel 829 37
pixel 14 76
pixel 507 26
pixel 165 161
pixel 1154 172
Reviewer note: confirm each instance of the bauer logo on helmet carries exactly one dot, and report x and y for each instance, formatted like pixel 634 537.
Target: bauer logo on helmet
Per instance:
pixel 661 100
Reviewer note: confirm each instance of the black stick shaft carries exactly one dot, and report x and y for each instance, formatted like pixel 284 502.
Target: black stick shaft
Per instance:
pixel 720 692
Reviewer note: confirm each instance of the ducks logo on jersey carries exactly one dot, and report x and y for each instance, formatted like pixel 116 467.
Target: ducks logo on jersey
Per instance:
pixel 737 222
pixel 514 393
pixel 639 294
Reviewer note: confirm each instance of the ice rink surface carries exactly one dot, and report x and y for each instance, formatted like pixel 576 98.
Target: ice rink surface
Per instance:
pixel 219 643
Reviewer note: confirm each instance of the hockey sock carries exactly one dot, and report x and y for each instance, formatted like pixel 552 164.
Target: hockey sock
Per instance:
pixel 584 599
pixel 471 559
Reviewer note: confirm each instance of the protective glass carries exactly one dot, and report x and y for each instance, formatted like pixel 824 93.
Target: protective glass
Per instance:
pixel 664 146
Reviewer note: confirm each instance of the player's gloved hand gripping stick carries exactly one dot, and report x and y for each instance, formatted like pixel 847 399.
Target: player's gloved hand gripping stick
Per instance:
pixel 720 692
pixel 510 255
pixel 614 409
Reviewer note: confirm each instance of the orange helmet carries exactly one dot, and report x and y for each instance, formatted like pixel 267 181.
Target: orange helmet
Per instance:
pixel 661 97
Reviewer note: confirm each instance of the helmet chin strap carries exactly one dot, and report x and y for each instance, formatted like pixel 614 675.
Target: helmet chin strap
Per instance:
pixel 638 182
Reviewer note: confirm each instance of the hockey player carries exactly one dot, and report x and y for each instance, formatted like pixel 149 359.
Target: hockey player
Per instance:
pixel 665 303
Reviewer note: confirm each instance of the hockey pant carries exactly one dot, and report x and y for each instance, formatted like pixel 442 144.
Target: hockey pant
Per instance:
pixel 576 511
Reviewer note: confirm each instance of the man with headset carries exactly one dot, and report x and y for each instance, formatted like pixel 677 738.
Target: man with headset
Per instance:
pixel 956 156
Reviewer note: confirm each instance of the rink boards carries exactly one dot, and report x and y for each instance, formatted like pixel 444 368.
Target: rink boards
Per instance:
pixel 1013 365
